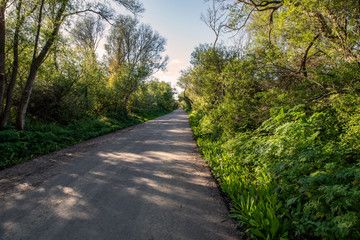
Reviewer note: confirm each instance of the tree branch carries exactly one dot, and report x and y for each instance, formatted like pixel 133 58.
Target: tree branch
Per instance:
pixel 101 14
pixel 304 58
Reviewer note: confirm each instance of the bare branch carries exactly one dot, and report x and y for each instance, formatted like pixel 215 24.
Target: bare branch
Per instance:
pixel 256 6
pixel 304 58
pixel 296 73
pixel 103 15
pixel 215 20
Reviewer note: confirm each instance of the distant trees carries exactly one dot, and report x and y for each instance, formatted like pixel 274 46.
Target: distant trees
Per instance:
pixel 134 53
pixel 153 96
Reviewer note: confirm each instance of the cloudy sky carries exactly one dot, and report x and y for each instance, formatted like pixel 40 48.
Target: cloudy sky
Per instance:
pixel 179 22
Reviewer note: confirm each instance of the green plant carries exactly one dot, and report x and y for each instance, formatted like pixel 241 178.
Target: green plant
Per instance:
pixel 296 176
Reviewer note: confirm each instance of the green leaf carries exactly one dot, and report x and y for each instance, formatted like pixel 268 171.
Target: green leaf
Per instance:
pixel 257 233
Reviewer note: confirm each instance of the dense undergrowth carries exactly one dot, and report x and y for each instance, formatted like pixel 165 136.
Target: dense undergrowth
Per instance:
pixel 278 118
pixel 44 137
pixel 296 176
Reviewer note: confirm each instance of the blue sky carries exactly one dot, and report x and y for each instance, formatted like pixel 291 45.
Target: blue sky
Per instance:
pixel 179 22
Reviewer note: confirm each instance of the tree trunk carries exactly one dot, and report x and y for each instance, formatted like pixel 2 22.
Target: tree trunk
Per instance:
pixel 2 55
pixel 9 95
pixel 36 62
pixel 25 98
pixel 127 97
pixel 14 72
pixel 304 58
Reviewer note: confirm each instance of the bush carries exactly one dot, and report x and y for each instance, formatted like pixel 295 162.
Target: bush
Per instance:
pixel 296 176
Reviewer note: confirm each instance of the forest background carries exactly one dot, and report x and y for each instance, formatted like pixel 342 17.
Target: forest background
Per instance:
pixel 277 115
pixel 56 91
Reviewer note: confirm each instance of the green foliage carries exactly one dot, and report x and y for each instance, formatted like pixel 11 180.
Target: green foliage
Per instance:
pixel 153 96
pixel 278 122
pixel 294 176
pixel 250 189
pixel 134 53
pixel 55 76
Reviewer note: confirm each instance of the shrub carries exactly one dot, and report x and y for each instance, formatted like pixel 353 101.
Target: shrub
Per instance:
pixel 296 176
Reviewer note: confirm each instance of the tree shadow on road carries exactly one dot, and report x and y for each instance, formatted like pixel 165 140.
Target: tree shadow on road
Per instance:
pixel 147 183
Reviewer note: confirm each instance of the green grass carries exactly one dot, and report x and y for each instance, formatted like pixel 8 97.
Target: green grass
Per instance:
pixel 41 137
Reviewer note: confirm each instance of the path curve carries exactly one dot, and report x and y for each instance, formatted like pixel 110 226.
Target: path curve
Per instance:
pixel 146 182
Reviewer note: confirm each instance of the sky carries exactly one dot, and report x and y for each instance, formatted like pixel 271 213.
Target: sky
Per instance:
pixel 179 22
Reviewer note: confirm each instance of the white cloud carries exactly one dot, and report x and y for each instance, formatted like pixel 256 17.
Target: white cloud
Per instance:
pixel 173 69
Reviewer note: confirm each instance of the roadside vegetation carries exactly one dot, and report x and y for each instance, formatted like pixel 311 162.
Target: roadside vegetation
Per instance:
pixel 56 89
pixel 42 136
pixel 278 119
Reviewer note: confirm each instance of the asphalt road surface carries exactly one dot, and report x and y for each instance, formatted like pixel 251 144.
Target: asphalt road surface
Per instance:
pixel 147 182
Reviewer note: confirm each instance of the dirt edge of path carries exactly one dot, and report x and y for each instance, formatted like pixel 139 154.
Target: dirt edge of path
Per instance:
pixel 25 176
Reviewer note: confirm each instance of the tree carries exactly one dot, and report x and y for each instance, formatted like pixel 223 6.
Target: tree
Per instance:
pixel 3 4
pixel 299 37
pixel 39 56
pixel 87 32
pixel 207 80
pixel 153 96
pixel 184 82
pixel 134 54
pixel 43 20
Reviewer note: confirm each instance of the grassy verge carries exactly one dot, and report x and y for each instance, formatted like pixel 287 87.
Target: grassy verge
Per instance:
pixel 41 138
pixel 295 177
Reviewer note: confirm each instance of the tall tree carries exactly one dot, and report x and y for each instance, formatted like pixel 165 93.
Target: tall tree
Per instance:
pixel 2 53
pixel 39 56
pixel 23 9
pixel 87 33
pixel 135 54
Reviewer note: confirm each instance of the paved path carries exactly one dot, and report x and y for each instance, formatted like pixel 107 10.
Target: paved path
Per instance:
pixel 144 183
